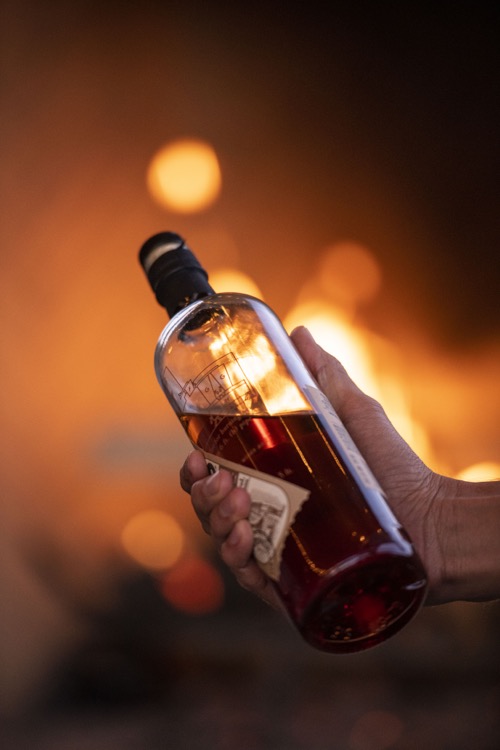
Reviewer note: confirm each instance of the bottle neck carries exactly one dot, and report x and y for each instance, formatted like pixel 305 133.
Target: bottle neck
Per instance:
pixel 176 292
pixel 175 275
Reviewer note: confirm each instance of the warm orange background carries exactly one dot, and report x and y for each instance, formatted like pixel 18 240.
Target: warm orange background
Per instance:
pixel 332 130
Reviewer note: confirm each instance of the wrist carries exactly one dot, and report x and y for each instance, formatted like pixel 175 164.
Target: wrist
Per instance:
pixel 468 539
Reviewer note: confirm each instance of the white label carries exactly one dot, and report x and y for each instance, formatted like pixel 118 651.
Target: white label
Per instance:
pixel 275 503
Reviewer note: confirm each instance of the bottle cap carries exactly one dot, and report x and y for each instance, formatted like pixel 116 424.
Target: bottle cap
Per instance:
pixel 175 275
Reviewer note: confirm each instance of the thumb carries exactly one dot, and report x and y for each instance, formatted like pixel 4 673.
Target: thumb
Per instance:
pixel 328 372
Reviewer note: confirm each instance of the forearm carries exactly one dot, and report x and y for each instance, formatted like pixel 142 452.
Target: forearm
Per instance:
pixel 470 542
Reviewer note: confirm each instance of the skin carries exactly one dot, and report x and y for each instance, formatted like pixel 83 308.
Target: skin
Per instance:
pixel 454 525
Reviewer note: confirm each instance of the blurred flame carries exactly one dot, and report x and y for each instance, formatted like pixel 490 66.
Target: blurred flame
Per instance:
pixel 396 405
pixel 336 335
pixel 485 471
pixel 263 370
pixel 257 367
pixel 231 280
pixel 284 396
pixel 154 539
pixel 354 348
pixel 193 586
pixel 185 176
pixel 349 272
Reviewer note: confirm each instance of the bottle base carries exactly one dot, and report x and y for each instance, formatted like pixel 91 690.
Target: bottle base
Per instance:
pixel 364 607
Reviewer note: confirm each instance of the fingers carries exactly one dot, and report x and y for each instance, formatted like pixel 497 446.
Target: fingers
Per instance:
pixel 236 549
pixel 193 469
pixel 236 553
pixel 223 511
pixel 219 506
pixel 217 503
pixel 331 376
pixel 225 507
pixel 363 417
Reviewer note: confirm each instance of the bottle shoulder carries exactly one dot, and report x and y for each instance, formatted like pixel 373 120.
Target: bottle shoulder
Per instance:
pixel 225 309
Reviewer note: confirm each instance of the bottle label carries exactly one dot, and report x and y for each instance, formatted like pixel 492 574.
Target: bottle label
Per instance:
pixel 274 505
pixel 342 440
pixel 223 382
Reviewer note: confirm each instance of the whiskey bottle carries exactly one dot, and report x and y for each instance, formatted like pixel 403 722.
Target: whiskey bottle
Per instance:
pixel 323 531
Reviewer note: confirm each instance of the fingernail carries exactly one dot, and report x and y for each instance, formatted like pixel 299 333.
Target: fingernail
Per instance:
pixel 234 537
pixel 212 484
pixel 225 508
pixel 302 331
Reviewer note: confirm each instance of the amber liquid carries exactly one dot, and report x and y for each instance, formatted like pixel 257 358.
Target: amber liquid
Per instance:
pixel 349 576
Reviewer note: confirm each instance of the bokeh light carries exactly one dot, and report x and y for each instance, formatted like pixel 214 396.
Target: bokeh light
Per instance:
pixel 397 407
pixel 153 539
pixel 339 337
pixel 370 361
pixel 185 176
pixel 484 471
pixel 231 280
pixel 193 586
pixel 349 273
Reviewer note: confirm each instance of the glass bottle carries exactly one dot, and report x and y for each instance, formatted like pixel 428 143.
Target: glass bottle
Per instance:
pixel 323 532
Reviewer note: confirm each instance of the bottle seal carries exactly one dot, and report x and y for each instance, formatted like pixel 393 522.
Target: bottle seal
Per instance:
pixel 173 271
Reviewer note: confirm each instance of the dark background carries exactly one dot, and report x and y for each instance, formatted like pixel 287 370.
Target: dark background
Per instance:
pixel 372 122
pixel 377 121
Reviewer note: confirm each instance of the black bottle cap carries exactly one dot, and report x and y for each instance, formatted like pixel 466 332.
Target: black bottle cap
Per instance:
pixel 175 275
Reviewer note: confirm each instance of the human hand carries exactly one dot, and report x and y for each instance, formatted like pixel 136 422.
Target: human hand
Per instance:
pixel 420 498
pixel 223 511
